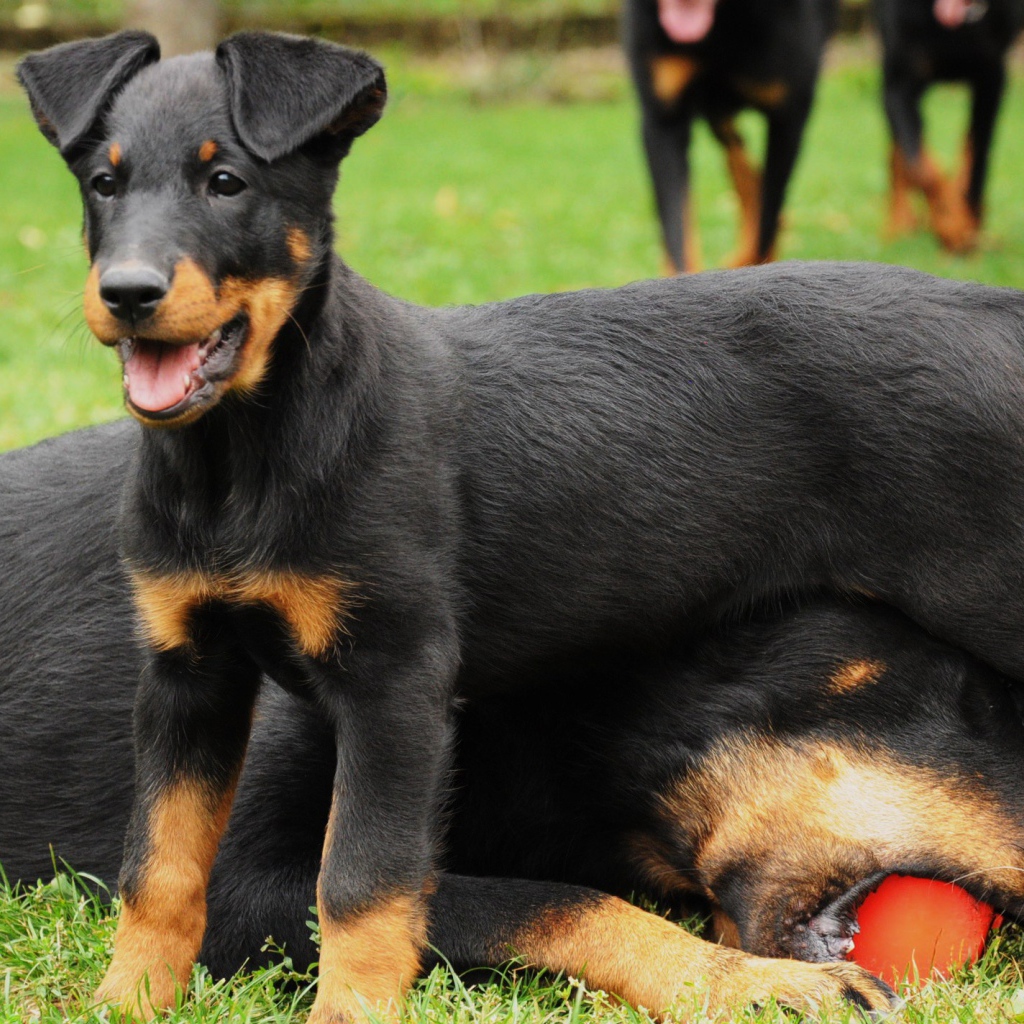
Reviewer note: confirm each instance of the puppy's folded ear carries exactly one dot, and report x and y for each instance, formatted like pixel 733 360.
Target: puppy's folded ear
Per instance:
pixel 287 91
pixel 71 85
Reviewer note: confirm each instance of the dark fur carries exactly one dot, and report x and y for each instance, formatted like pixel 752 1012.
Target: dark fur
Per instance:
pixel 555 787
pixel 752 44
pixel 514 488
pixel 918 51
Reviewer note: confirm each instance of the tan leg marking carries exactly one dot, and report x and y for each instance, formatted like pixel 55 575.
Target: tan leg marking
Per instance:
pixel 368 961
pixel 901 213
pixel 314 607
pixel 692 261
pixel 746 180
pixel 951 219
pixel 855 674
pixel 671 74
pixel 652 963
pixel 161 928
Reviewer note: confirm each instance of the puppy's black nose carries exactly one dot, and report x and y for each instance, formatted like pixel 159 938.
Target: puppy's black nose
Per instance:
pixel 132 291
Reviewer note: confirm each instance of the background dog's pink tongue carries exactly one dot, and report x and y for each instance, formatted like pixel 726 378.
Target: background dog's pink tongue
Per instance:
pixel 688 21
pixel 156 374
pixel 951 13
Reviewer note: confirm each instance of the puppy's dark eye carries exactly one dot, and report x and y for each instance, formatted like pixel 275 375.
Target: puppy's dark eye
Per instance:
pixel 104 185
pixel 224 183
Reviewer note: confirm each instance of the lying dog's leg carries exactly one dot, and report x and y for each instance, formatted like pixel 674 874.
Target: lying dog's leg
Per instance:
pixel 642 958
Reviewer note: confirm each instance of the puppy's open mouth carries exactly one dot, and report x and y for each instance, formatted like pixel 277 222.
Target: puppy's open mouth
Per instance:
pixel 163 379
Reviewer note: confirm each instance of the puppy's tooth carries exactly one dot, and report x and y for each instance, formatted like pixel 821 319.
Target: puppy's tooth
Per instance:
pixel 187 379
pixel 124 379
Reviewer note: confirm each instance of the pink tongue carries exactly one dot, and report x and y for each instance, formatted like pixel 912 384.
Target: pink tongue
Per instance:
pixel 689 21
pixel 951 13
pixel 156 374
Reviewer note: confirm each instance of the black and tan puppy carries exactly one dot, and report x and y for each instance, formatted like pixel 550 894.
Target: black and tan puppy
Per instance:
pixel 929 41
pixel 712 59
pixel 770 771
pixel 387 508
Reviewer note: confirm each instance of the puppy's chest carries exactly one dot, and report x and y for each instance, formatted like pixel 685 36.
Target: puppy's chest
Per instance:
pixel 307 608
pixel 244 566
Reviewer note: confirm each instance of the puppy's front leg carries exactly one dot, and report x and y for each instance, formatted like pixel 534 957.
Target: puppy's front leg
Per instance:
pixel 390 713
pixel 192 718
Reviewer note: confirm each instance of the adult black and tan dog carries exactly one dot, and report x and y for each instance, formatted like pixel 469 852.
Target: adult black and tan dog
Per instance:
pixel 770 771
pixel 929 41
pixel 388 509
pixel 712 59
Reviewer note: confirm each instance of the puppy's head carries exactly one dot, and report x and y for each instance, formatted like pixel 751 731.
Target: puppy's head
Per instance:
pixel 207 183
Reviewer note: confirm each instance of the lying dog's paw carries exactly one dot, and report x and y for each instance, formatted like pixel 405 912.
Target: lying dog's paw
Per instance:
pixel 804 986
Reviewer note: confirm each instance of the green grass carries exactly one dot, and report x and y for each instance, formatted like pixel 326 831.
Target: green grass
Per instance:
pixel 56 939
pixel 450 200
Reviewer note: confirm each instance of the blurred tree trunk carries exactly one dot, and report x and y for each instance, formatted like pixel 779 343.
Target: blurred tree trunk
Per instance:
pixel 182 26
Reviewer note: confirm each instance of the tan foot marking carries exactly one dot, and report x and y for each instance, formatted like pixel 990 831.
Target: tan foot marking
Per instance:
pixel 161 926
pixel 901 213
pixel 369 960
pixel 951 218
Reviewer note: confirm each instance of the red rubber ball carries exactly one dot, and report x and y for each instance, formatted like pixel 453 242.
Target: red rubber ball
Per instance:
pixel 915 928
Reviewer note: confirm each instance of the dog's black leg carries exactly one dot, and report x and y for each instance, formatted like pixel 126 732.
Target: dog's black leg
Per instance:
pixel 667 144
pixel 986 96
pixel 785 131
pixel 390 716
pixel 192 720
